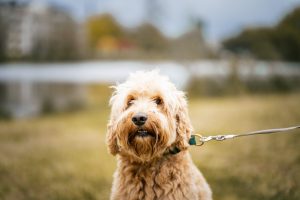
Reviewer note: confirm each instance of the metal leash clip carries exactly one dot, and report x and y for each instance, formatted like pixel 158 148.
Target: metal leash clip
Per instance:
pixel 196 140
pixel 199 140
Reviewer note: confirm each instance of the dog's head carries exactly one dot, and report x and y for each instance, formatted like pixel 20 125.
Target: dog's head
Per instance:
pixel 148 117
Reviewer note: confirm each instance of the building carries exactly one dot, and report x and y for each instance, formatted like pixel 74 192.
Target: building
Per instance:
pixel 36 30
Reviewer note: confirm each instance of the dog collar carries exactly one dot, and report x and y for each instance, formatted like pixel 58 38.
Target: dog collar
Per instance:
pixel 172 151
pixel 176 150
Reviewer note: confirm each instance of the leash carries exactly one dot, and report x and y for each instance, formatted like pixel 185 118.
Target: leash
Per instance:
pixel 199 140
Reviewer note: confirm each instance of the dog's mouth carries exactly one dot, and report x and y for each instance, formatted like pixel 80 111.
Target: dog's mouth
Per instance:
pixel 144 133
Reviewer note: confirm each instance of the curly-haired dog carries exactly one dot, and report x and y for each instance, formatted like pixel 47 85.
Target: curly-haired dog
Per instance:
pixel 149 129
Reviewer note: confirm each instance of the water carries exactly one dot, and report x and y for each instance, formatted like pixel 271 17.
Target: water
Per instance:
pixel 117 71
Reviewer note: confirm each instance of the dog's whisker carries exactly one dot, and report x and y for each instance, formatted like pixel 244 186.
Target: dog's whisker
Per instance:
pixel 156 135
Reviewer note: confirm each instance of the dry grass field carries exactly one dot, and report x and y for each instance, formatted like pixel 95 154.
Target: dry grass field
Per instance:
pixel 63 156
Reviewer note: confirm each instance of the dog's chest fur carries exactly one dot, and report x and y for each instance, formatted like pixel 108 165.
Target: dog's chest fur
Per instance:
pixel 163 179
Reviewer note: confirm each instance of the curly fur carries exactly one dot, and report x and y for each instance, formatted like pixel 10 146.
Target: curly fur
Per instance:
pixel 146 169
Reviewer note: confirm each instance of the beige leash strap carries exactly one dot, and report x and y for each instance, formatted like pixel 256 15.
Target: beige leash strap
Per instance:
pixel 199 140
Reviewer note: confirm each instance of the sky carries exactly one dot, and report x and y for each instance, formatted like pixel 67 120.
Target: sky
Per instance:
pixel 220 18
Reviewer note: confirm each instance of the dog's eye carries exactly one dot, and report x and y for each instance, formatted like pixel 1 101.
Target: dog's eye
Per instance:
pixel 130 102
pixel 158 101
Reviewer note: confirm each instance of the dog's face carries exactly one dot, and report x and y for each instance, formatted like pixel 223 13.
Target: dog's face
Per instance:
pixel 148 116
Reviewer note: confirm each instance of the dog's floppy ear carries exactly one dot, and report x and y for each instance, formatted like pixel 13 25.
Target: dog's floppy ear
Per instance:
pixel 111 139
pixel 183 125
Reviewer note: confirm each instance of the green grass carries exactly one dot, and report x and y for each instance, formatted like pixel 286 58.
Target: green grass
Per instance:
pixel 63 156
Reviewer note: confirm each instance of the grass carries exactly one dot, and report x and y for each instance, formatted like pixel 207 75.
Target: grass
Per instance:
pixel 63 156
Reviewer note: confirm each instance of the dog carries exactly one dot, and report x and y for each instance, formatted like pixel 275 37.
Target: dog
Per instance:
pixel 149 129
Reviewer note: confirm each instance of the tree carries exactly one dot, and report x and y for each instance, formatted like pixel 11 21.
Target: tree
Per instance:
pixel 101 26
pixel 279 42
pixel 149 38
pixel 257 42
pixel 287 36
pixel 2 39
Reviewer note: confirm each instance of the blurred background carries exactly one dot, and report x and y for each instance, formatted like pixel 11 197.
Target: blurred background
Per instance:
pixel 238 61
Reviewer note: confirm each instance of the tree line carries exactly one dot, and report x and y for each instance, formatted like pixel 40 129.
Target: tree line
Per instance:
pixel 281 42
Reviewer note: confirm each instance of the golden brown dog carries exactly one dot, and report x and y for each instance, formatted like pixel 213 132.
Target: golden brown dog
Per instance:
pixel 148 130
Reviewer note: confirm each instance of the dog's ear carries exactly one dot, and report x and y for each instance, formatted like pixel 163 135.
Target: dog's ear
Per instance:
pixel 183 125
pixel 111 139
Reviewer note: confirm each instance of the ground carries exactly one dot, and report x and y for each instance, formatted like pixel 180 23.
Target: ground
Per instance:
pixel 63 156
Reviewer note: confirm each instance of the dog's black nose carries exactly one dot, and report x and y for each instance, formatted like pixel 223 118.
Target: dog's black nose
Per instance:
pixel 139 119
